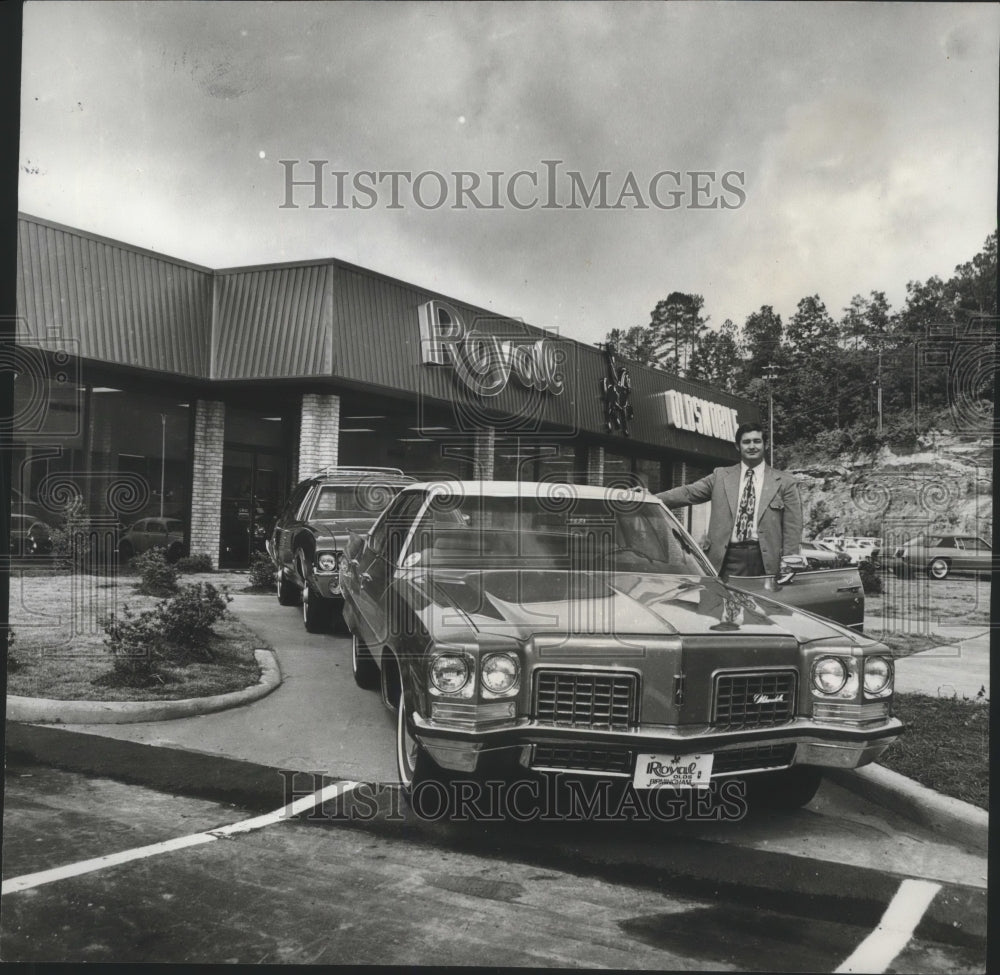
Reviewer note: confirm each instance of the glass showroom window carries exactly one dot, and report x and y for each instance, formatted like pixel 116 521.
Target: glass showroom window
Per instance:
pixel 146 438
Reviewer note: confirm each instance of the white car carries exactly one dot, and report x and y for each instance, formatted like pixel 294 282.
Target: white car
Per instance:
pixel 856 548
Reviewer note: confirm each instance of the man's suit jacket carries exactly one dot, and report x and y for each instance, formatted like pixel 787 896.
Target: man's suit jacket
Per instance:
pixel 779 516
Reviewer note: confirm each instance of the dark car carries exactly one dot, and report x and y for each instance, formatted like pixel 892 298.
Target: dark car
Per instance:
pixel 309 535
pixel 941 555
pixel 555 628
pixel 147 533
pixel 819 555
pixel 29 536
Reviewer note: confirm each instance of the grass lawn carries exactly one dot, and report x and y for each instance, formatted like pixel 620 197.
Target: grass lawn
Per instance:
pixel 946 746
pixel 919 604
pixel 59 649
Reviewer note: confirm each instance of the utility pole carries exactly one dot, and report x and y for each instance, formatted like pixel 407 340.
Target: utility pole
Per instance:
pixel 770 374
pixel 878 390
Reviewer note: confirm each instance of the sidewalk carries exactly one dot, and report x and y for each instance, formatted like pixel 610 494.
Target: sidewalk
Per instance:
pixel 959 669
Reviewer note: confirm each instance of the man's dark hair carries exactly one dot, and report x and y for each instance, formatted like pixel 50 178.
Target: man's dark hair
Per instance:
pixel 747 428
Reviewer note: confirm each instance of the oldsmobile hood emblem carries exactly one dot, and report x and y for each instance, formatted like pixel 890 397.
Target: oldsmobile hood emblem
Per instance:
pixel 769 699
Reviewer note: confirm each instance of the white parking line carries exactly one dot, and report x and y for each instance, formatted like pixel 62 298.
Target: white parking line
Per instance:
pixel 304 804
pixel 901 917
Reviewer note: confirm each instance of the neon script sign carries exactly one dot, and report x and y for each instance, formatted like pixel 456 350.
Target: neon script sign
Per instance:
pixel 483 361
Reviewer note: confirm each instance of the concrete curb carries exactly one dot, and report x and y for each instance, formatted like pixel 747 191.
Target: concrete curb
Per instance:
pixel 40 710
pixel 959 821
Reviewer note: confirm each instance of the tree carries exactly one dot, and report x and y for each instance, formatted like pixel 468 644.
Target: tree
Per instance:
pixel 866 322
pixel 677 325
pixel 974 287
pixel 634 343
pixel 762 334
pixel 811 332
pixel 717 358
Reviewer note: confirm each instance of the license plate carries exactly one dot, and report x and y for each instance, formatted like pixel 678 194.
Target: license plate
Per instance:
pixel 671 771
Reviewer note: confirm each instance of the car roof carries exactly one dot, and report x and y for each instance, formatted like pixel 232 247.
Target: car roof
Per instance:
pixel 529 489
pixel 353 473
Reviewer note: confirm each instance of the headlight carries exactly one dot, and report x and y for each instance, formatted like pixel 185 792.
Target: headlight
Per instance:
pixel 499 673
pixel 829 675
pixel 878 676
pixel 328 561
pixel 449 673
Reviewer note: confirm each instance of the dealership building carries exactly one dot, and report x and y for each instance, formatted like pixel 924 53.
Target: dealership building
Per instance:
pixel 150 386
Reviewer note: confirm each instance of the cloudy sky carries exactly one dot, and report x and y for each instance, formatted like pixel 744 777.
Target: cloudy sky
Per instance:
pixel 866 136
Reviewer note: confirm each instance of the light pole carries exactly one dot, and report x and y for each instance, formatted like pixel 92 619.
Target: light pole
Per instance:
pixel 163 458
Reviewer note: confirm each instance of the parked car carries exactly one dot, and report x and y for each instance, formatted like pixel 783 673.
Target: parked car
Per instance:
pixel 147 533
pixel 309 535
pixel 941 555
pixel 29 536
pixel 821 556
pixel 561 628
pixel 857 548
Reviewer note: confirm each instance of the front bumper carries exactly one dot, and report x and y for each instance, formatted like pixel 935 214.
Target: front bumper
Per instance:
pixel 327 585
pixel 812 742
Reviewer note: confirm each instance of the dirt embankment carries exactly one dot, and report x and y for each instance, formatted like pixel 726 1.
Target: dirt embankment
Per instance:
pixel 946 486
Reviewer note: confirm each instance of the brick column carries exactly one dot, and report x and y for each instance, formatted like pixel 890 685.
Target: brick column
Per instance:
pixel 595 466
pixel 319 433
pixel 206 488
pixel 484 452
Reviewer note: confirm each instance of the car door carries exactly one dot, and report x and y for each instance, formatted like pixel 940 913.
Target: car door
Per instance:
pixel 837 594
pixel 974 554
pixel 372 567
pixel 284 528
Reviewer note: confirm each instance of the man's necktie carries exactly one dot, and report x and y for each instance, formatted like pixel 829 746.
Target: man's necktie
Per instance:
pixel 748 502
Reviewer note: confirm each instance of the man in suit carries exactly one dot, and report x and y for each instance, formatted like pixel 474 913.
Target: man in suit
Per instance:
pixel 756 510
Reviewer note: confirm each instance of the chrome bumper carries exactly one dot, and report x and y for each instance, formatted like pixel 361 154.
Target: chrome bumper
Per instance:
pixel 817 743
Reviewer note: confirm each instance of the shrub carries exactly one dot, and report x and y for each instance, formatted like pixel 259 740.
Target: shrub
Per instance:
pixel 175 633
pixel 186 620
pixel 72 539
pixel 134 643
pixel 159 577
pixel 871 579
pixel 262 573
pixel 195 563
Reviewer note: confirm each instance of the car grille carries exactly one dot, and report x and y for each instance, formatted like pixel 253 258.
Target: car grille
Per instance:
pixel 752 757
pixel 583 758
pixel 587 699
pixel 754 700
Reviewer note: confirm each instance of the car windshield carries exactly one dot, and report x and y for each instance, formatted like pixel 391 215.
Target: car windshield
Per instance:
pixel 592 534
pixel 365 500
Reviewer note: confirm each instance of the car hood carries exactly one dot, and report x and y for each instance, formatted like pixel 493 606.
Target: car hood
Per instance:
pixel 522 603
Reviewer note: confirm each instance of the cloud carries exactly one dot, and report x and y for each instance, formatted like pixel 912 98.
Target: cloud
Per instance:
pixel 866 132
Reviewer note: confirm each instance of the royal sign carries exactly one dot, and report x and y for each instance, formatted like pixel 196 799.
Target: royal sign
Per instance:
pixel 483 361
pixel 686 412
